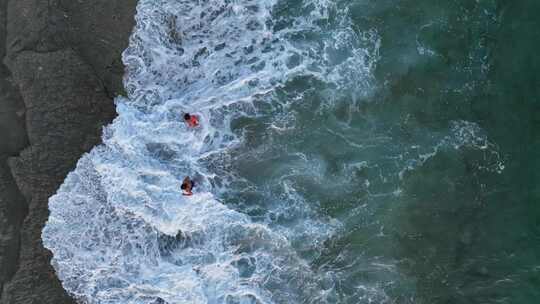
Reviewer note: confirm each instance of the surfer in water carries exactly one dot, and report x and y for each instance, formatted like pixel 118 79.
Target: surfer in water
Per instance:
pixel 191 120
pixel 187 186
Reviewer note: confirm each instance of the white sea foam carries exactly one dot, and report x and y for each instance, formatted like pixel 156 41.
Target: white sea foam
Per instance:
pixel 462 134
pixel 120 230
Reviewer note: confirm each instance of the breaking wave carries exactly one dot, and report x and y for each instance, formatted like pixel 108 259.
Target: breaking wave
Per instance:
pixel 120 230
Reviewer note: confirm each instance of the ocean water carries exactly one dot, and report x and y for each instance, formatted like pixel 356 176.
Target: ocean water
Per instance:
pixel 349 152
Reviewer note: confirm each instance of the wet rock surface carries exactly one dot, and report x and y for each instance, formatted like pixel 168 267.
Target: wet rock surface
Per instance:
pixel 61 70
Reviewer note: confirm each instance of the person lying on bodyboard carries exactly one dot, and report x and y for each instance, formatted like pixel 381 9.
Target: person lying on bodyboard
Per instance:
pixel 191 120
pixel 187 186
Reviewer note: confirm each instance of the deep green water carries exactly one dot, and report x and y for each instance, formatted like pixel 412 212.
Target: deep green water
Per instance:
pixel 433 171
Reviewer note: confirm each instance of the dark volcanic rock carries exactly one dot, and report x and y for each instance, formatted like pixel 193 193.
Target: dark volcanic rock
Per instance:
pixel 63 97
pixel 12 211
pixel 64 69
pixel 12 140
pixel 101 40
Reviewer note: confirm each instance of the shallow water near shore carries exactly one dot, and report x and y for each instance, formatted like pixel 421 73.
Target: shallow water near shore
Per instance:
pixel 350 152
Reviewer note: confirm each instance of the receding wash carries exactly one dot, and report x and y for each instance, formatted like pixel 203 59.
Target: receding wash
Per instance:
pixel 310 151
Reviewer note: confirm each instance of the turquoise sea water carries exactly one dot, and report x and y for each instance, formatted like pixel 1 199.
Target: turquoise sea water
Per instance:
pixel 353 152
pixel 457 228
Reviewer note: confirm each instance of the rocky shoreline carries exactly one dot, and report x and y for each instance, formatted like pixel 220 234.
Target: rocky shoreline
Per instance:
pixel 61 70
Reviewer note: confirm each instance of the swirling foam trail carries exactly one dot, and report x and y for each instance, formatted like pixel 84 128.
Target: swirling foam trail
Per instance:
pixel 120 230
